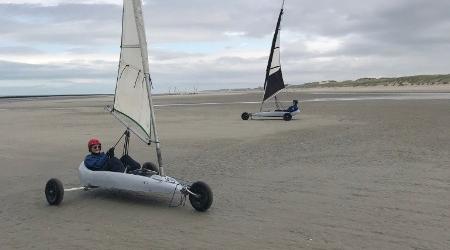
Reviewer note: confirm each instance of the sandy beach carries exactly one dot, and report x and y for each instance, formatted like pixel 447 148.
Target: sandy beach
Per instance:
pixel 354 170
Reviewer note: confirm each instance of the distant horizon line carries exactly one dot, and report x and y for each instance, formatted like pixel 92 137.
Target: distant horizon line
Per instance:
pixel 50 95
pixel 258 88
pixel 112 94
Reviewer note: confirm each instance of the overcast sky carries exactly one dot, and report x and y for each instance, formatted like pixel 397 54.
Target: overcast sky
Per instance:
pixel 72 47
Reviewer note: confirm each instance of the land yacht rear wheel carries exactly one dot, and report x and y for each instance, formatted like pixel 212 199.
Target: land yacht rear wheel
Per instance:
pixel 287 117
pixel 245 116
pixel 54 191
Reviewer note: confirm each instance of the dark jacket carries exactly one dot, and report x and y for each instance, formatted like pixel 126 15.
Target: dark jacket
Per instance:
pixel 96 162
pixel 292 108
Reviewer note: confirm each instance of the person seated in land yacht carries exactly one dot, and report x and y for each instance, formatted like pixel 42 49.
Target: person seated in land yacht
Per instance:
pixel 292 108
pixel 99 161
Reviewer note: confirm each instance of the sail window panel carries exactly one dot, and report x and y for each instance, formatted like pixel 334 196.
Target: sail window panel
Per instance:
pixel 275 65
pixel 277 42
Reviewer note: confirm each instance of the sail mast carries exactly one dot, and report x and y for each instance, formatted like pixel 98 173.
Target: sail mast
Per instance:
pixel 274 78
pixel 137 4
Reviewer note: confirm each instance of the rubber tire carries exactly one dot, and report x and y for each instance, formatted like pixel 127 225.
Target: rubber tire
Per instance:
pixel 150 166
pixel 54 192
pixel 287 117
pixel 245 116
pixel 205 200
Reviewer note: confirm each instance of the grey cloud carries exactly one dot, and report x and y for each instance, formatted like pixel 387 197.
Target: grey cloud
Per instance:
pixel 19 50
pixel 24 71
pixel 161 55
pixel 381 38
pixel 62 24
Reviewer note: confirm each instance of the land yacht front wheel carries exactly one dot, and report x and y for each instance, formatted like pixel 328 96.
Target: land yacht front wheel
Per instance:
pixel 201 197
pixel 245 116
pixel 54 192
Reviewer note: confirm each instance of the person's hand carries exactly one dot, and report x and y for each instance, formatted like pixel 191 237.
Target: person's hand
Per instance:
pixel 110 152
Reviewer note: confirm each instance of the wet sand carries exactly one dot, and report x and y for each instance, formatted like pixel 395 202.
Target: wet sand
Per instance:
pixel 345 174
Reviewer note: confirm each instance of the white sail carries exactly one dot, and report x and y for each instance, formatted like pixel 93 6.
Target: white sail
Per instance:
pixel 132 95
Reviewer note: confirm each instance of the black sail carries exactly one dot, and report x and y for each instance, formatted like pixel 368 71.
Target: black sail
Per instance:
pixel 274 78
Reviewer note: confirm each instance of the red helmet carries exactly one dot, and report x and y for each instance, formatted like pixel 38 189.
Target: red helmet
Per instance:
pixel 92 142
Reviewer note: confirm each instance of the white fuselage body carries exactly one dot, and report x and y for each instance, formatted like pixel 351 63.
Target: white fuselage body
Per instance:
pixel 125 181
pixel 274 113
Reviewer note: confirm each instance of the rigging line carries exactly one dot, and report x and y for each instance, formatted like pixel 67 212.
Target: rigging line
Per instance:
pixel 270 97
pixel 129 65
pixel 182 198
pixel 126 143
pixel 120 75
pixel 150 81
pixel 137 77
pixel 276 103
pixel 120 138
pixel 173 196
pixel 142 82
pixel 145 139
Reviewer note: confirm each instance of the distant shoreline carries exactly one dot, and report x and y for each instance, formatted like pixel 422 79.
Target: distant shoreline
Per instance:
pixel 405 88
pixel 43 96
pixel 439 82
pixel 290 88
